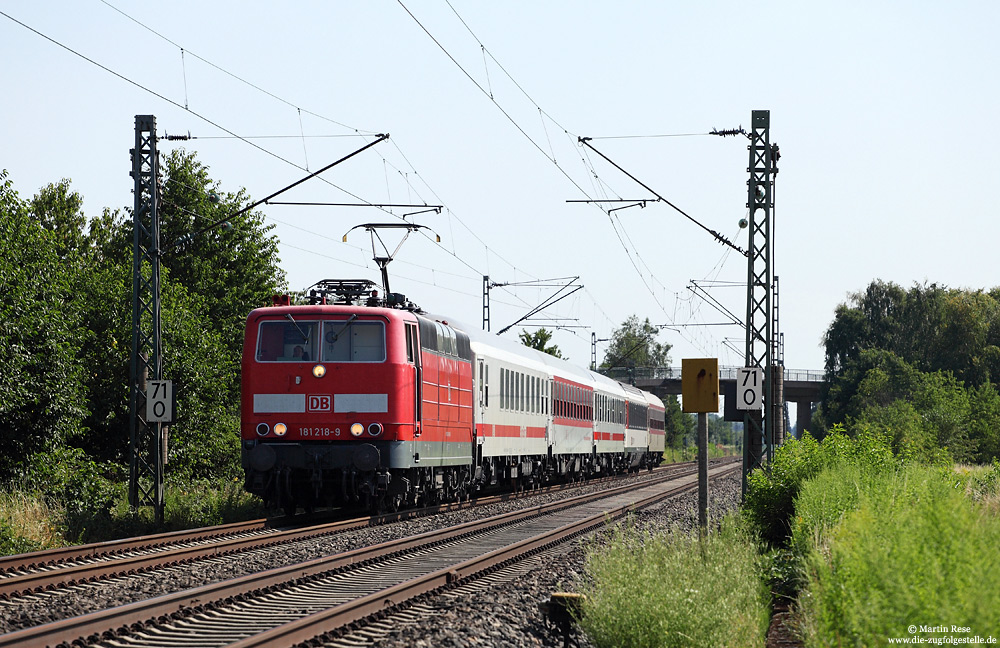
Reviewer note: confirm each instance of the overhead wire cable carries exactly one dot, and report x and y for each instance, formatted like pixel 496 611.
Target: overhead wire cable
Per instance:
pixel 234 76
pixel 167 99
pixel 514 122
pixel 195 113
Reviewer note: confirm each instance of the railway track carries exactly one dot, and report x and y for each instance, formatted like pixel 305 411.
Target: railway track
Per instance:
pixel 68 566
pixel 290 604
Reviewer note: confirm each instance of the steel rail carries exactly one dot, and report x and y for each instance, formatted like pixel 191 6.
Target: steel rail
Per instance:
pixel 50 557
pixel 108 559
pixel 380 603
pixel 106 622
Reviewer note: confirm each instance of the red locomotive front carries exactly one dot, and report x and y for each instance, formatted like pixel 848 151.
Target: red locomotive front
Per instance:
pixel 353 404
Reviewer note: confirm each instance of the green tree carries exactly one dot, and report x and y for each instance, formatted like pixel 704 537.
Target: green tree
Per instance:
pixel 42 402
pixel 634 344
pixel 679 428
pixel 233 267
pixel 930 327
pixel 984 422
pixel 540 340
pixel 922 413
pixel 60 211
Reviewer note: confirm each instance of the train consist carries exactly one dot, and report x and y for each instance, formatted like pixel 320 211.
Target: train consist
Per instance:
pixel 355 400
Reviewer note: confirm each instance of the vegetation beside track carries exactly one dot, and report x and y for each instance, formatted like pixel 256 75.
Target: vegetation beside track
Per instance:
pixel 670 590
pixel 33 518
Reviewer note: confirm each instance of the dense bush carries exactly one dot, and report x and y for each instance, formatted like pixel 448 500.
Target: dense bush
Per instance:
pixel 770 495
pixel 769 503
pixel 83 491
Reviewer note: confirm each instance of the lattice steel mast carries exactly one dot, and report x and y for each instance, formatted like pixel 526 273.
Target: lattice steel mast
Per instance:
pixel 146 439
pixel 761 429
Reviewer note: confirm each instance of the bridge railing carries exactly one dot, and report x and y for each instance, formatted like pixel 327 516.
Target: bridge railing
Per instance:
pixel 625 374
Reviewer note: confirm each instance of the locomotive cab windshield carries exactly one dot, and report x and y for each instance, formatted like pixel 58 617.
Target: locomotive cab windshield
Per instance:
pixel 343 340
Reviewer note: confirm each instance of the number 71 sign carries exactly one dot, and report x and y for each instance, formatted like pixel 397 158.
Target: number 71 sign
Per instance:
pixel 749 388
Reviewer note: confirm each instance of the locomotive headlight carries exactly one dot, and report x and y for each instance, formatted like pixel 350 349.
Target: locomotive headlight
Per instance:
pixel 375 429
pixel 263 429
pixel 280 429
pixel 357 429
pixel 319 371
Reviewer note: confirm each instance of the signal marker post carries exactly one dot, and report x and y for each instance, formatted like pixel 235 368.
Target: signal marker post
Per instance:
pixel 700 393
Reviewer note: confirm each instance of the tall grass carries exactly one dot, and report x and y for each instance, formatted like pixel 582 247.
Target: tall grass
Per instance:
pixel 663 590
pixel 30 521
pixel 887 550
pixel 27 523
pixel 690 453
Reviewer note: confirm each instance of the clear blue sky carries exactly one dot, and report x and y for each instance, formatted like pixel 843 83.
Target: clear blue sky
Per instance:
pixel 885 113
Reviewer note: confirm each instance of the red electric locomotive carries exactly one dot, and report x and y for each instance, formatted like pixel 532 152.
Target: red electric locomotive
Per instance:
pixel 354 403
pixel 355 400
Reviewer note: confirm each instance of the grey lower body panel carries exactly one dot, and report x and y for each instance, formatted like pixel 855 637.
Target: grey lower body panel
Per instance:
pixel 360 455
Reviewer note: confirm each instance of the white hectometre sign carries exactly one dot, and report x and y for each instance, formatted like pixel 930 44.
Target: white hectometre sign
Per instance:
pixel 749 388
pixel 159 401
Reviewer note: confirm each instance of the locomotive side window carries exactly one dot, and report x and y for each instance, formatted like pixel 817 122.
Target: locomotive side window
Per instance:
pixel 286 341
pixel 411 334
pixel 353 341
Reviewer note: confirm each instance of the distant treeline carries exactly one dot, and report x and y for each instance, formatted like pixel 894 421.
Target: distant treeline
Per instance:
pixel 920 364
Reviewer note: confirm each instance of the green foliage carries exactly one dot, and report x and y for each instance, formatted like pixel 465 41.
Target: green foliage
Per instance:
pixel 12 544
pixel 58 210
pixel 84 489
pixel 984 422
pixel 930 327
pixel 539 340
pixel 233 268
pixel 934 347
pixel 211 501
pixel 65 326
pixel 652 590
pixel 634 345
pixel 886 549
pixel 679 428
pixel 769 503
pixel 42 401
pixel 928 416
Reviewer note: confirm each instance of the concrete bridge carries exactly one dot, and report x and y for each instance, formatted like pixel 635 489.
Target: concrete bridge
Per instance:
pixel 800 386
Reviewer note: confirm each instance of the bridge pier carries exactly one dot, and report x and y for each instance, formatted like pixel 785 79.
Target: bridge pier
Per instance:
pixel 803 416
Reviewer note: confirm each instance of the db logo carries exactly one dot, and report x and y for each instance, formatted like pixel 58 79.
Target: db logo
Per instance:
pixel 318 403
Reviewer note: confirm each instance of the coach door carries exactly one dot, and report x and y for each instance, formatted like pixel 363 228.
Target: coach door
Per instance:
pixel 413 355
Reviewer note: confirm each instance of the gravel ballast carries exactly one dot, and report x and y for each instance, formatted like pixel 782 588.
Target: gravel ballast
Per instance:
pixel 502 614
